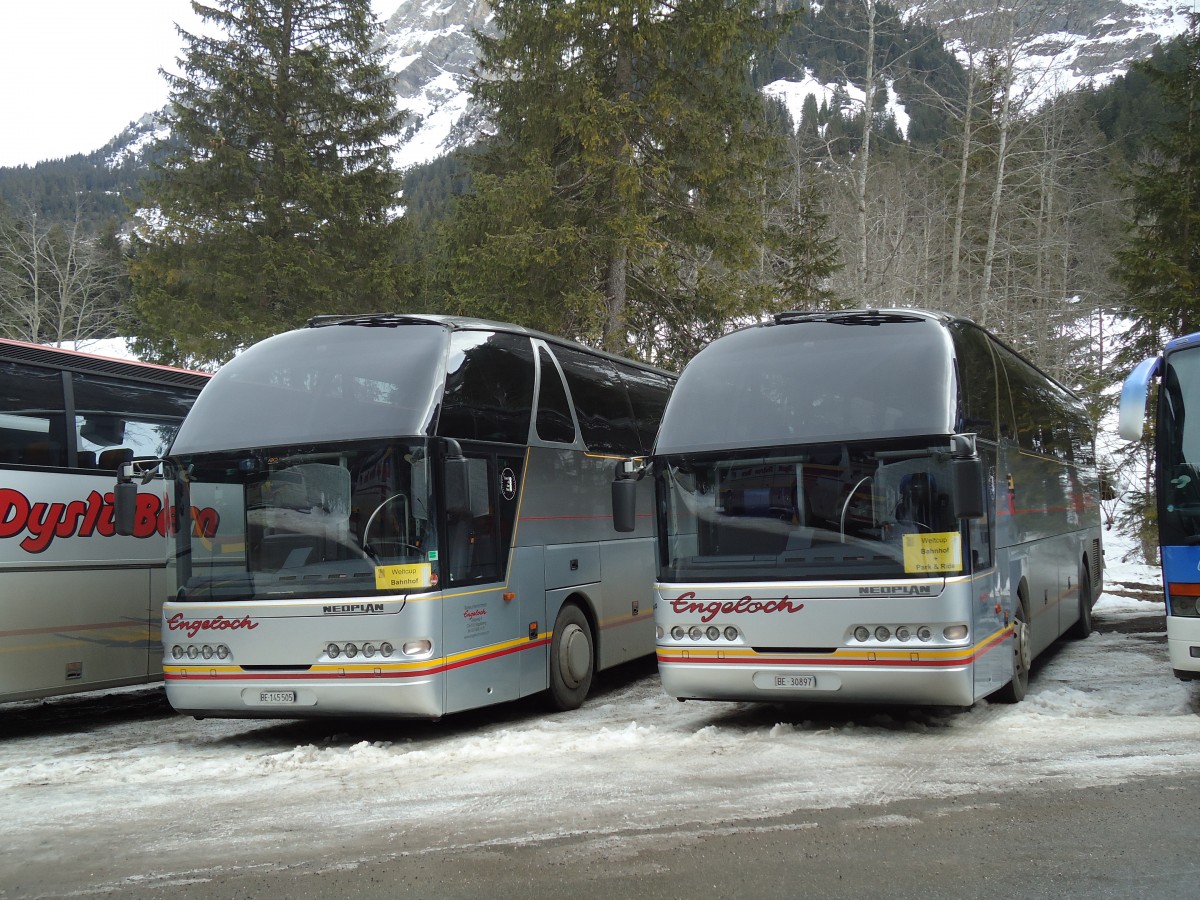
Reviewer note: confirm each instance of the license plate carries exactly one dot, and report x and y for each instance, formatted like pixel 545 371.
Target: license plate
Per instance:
pixel 794 682
pixel 277 697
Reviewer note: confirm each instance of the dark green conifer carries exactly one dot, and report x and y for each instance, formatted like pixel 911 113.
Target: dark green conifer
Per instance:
pixel 274 197
pixel 622 194
pixel 1160 266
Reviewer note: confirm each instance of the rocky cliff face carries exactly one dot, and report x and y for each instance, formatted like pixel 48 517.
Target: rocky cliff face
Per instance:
pixel 433 52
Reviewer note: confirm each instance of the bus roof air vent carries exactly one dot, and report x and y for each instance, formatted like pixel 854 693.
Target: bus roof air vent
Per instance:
pixel 849 317
pixel 371 320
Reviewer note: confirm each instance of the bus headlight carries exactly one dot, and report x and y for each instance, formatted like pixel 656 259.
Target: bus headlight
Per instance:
pixel 177 652
pixel 955 632
pixel 417 648
pixel 695 632
pixel 903 633
pixel 677 632
pixel 1185 606
pixel 862 633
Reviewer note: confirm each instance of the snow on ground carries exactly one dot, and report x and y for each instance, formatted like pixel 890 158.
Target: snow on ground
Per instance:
pixel 1101 711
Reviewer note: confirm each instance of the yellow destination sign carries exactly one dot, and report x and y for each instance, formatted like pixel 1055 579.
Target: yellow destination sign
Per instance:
pixel 932 553
pixel 403 578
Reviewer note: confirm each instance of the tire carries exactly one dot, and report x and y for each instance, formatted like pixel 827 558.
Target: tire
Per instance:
pixel 1083 626
pixel 572 658
pixel 1022 658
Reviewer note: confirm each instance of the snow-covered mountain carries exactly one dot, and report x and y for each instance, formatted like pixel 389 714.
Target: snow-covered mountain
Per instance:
pixel 1080 40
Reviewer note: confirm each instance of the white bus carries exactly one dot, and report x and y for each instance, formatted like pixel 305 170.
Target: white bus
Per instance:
pixel 80 605
pixel 876 506
pixel 406 516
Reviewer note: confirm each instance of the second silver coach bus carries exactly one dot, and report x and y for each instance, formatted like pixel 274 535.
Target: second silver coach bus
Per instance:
pixel 406 516
pixel 79 604
pixel 880 506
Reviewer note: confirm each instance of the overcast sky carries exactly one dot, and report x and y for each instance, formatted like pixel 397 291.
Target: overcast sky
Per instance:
pixel 73 73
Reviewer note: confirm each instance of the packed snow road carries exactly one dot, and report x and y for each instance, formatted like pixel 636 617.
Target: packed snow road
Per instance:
pixel 116 793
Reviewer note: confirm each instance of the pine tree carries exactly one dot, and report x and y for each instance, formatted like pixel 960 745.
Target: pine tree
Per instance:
pixel 274 198
pixel 811 254
pixel 638 128
pixel 1160 266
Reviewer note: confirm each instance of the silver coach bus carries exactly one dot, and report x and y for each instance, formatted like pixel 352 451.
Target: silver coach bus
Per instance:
pixel 79 604
pixel 406 516
pixel 885 506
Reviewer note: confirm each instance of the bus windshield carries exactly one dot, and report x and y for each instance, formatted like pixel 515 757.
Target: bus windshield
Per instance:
pixel 307 521
pixel 1178 440
pixel 810 512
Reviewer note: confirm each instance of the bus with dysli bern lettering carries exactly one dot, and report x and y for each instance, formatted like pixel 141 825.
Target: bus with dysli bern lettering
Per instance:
pixel 1176 443
pixel 80 605
pixel 405 515
pixel 867 506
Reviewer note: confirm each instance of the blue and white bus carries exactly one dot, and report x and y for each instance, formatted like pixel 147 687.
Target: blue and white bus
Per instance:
pixel 875 506
pixel 1177 483
pixel 406 515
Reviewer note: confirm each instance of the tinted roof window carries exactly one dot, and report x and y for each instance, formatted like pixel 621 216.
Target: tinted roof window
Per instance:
pixel 337 382
pixel 813 381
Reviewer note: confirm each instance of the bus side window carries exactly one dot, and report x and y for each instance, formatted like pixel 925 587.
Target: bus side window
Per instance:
pixel 553 421
pixel 601 404
pixel 113 415
pixel 489 388
pixel 33 421
pixel 648 393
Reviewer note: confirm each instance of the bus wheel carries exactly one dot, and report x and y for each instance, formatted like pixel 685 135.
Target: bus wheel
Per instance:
pixel 1083 626
pixel 571 658
pixel 1022 658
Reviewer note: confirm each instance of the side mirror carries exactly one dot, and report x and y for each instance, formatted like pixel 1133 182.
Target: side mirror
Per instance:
pixel 125 492
pixel 624 504
pixel 466 487
pixel 124 507
pixel 968 488
pixel 1132 412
